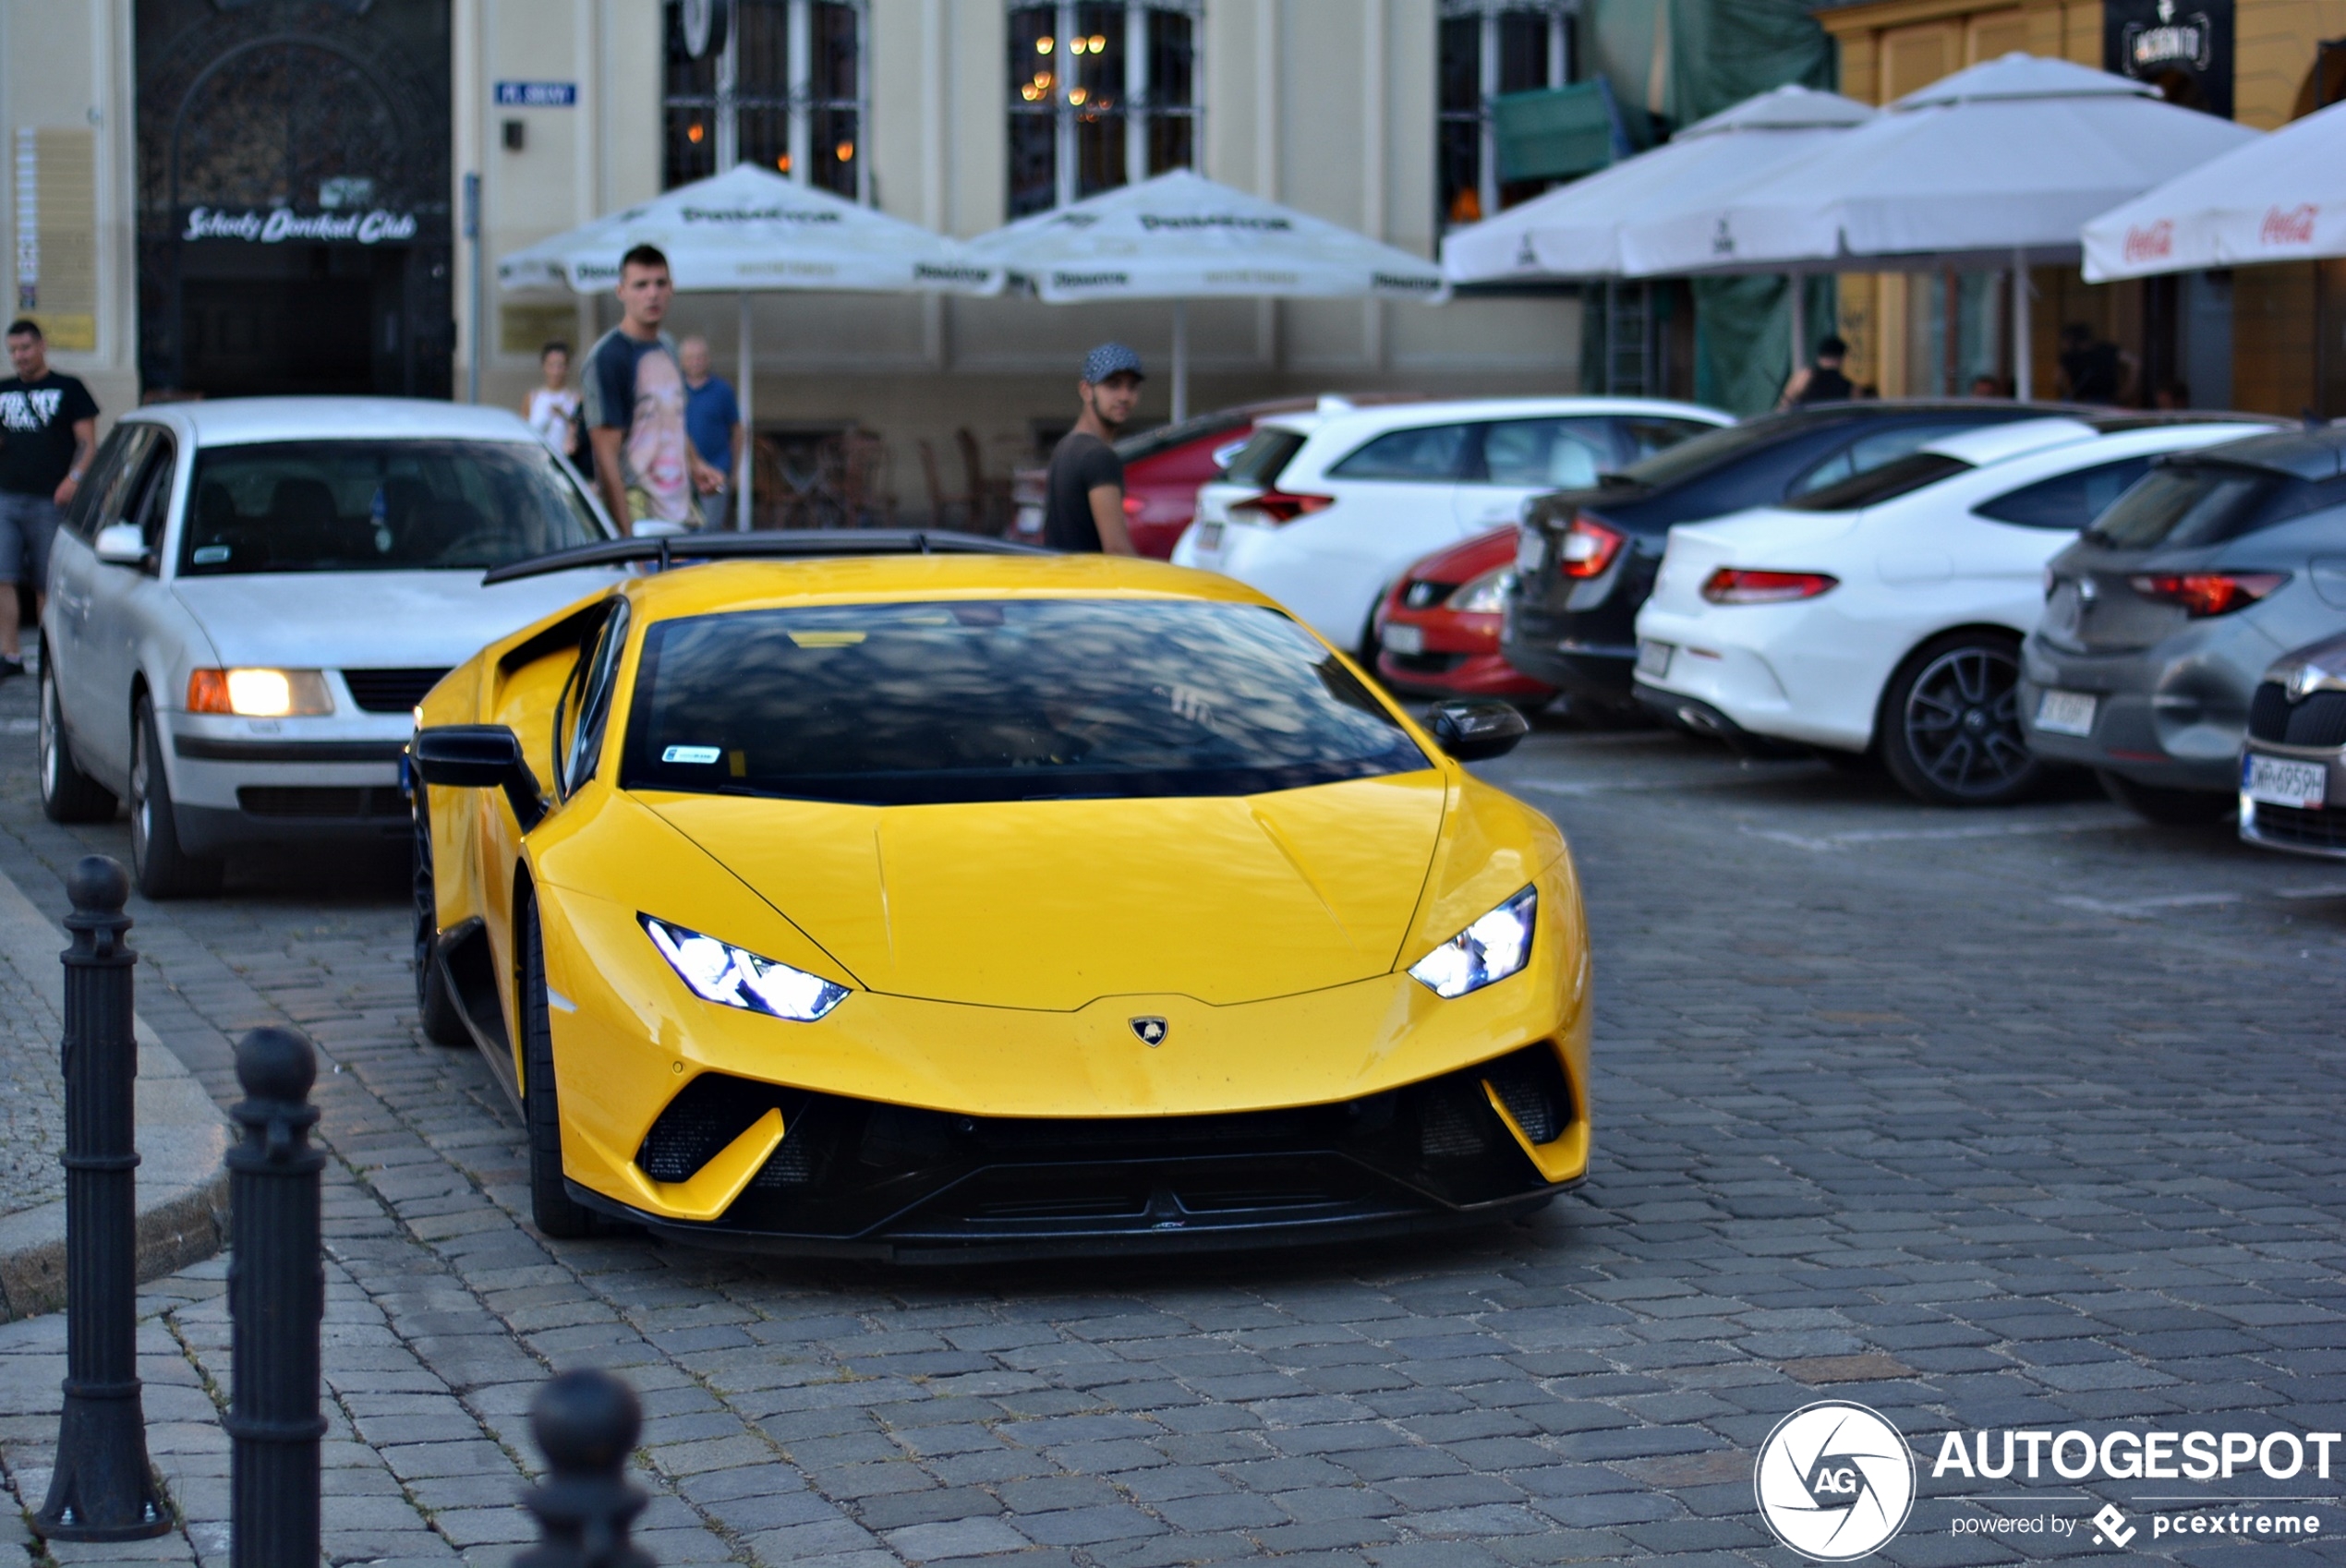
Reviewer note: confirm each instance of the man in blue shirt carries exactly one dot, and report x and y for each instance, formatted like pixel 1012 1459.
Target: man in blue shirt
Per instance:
pixel 713 420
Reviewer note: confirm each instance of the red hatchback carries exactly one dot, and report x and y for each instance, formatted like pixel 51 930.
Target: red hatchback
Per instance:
pixel 1438 628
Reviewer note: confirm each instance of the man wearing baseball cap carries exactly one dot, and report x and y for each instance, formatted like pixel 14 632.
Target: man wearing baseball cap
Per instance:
pixel 1084 509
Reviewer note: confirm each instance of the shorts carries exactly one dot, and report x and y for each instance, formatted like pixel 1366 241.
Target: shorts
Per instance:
pixel 27 526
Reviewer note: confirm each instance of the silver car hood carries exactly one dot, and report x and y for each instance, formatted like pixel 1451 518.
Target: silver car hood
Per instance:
pixel 371 619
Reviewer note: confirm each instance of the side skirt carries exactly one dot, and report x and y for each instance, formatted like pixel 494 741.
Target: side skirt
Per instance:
pixel 468 967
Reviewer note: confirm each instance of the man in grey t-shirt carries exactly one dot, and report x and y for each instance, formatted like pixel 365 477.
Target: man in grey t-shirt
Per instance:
pixel 1084 500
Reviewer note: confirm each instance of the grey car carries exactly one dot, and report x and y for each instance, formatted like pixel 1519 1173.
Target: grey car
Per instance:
pixel 2292 770
pixel 2160 621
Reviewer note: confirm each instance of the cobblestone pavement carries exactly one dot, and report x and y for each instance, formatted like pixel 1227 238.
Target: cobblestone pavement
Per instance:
pixel 2016 1119
pixel 32 1090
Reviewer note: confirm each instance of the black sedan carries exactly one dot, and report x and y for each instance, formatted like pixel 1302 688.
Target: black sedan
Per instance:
pixel 1587 557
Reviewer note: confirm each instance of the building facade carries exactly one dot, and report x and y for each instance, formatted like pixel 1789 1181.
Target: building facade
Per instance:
pixel 221 197
pixel 2270 338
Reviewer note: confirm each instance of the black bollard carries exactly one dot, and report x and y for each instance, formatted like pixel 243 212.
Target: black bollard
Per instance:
pixel 586 1423
pixel 102 1490
pixel 276 1297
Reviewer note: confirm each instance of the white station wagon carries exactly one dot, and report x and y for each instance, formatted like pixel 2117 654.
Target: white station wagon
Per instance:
pixel 250 598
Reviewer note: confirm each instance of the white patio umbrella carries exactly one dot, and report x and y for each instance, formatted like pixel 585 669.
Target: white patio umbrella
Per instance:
pixel 1998 165
pixel 750 230
pixel 2281 198
pixel 1181 236
pixel 1576 231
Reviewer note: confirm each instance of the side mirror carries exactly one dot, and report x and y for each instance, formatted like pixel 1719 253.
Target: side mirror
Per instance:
pixel 478 757
pixel 1476 729
pixel 120 544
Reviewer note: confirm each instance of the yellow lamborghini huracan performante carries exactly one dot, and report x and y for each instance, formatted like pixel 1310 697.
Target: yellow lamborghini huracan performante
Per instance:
pixel 925 897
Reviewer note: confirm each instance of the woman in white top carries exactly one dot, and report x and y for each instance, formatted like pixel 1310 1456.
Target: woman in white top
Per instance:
pixel 552 409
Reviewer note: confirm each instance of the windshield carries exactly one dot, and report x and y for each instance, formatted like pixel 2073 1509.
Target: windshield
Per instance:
pixel 1265 453
pixel 2182 504
pixel 379 506
pixel 1009 700
pixel 1892 479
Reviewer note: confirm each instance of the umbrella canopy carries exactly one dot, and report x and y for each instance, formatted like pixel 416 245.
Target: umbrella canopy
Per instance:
pixel 1181 237
pixel 2281 198
pixel 749 229
pixel 1578 231
pixel 2004 161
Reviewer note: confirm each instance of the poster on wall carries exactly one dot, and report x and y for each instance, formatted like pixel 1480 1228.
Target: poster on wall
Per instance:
pixel 2184 47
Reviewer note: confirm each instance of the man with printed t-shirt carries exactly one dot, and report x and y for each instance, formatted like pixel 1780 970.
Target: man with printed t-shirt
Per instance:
pixel 48 426
pixel 644 467
pixel 1083 504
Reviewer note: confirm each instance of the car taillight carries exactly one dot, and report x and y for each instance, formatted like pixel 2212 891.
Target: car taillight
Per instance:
pixel 2208 593
pixel 1587 548
pixel 1279 506
pixel 1735 584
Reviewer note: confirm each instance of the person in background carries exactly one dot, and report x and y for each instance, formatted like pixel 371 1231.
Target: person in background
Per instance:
pixel 2171 395
pixel 1084 506
pixel 1987 386
pixel 645 467
pixel 552 408
pixel 48 430
pixel 1820 383
pixel 713 419
pixel 2093 369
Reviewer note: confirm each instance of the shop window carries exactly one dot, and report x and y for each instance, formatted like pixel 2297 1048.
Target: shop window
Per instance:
pixel 1100 95
pixel 1489 47
pixel 789 91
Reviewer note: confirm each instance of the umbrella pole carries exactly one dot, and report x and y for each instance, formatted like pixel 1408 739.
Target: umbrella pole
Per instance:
pixel 2023 380
pixel 1799 321
pixel 1180 360
pixel 747 464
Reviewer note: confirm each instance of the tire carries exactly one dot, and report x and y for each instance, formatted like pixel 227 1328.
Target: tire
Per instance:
pixel 436 1009
pixel 159 867
pixel 2171 808
pixel 556 1213
pixel 67 794
pixel 1858 762
pixel 1949 727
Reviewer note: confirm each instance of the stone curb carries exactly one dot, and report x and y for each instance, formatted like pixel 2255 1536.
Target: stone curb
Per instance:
pixel 183 1186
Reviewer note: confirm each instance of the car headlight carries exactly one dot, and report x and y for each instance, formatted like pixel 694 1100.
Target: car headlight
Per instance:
pixel 718 972
pixel 258 694
pixel 1486 595
pixel 1492 948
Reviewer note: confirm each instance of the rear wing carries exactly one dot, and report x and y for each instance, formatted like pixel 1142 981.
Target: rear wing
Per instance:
pixel 687 549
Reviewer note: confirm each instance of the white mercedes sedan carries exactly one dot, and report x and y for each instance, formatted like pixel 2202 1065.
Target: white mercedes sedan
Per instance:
pixel 1883 615
pixel 250 598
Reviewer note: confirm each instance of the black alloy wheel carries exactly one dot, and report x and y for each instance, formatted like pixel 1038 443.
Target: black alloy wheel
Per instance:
pixel 436 1009
pixel 67 794
pixel 1951 723
pixel 158 865
pixel 556 1213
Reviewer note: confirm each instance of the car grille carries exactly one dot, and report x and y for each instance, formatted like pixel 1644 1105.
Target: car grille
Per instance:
pixel 390 690
pixel 2318 721
pixel 2313 830
pixel 1422 594
pixel 276 800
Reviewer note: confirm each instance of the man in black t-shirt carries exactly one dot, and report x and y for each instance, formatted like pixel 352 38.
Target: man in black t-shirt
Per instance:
pixel 1083 504
pixel 1822 382
pixel 48 427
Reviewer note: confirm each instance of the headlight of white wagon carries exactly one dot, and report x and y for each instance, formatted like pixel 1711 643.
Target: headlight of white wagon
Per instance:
pixel 1491 949
pixel 718 972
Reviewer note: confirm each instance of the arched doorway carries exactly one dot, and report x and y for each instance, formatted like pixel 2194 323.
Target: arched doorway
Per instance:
pixel 293 197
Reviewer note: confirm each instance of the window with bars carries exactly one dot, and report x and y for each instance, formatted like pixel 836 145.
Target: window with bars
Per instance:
pixel 1101 94
pixel 789 91
pixel 1491 47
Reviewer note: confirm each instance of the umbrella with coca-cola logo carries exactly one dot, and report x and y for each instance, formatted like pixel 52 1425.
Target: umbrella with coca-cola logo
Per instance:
pixel 2281 198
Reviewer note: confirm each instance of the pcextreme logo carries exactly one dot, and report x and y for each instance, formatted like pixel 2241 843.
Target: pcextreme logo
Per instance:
pixel 1835 1480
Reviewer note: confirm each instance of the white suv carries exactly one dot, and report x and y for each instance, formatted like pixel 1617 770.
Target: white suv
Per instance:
pixel 1323 511
pixel 250 598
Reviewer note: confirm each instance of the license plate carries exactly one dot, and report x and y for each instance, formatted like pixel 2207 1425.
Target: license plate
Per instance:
pixel 1653 659
pixel 1209 535
pixel 2066 713
pixel 2274 781
pixel 1530 549
pixel 1402 638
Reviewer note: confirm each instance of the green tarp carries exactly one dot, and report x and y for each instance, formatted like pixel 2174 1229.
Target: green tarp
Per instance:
pixel 1563 132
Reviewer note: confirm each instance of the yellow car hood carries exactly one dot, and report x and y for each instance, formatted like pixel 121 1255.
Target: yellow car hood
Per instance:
pixel 1054 904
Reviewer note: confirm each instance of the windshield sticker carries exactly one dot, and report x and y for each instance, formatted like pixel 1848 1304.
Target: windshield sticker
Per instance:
pixel 210 555
pixel 821 640
pixel 691 754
